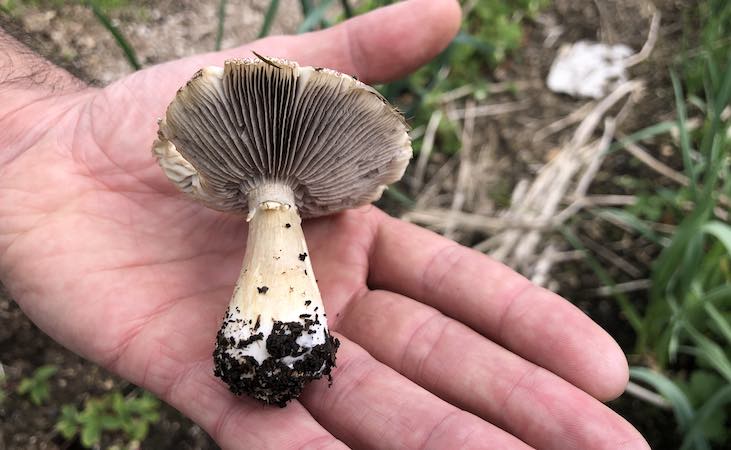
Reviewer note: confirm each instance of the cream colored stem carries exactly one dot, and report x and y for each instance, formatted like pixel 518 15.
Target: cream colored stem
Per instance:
pixel 276 280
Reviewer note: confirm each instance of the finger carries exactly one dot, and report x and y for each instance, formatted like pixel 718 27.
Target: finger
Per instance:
pixel 376 47
pixel 497 302
pixel 171 357
pixel 462 367
pixel 371 406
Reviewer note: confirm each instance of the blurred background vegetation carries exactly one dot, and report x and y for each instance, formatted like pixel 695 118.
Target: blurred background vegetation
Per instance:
pixel 646 251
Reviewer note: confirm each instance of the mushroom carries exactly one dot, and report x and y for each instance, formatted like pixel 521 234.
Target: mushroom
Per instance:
pixel 276 142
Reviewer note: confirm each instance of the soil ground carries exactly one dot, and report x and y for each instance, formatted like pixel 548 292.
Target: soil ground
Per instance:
pixel 164 30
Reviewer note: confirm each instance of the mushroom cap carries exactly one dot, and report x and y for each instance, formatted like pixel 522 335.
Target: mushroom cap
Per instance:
pixel 333 140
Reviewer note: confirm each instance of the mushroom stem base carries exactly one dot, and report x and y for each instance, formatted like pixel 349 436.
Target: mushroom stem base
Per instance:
pixel 274 338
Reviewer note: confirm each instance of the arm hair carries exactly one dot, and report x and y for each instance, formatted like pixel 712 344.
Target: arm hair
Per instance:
pixel 23 69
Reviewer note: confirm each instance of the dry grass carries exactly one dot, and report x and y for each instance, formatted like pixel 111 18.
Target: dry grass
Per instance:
pixel 455 201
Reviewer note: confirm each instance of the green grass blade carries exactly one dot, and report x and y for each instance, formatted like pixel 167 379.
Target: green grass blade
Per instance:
pixel 709 351
pixel 306 6
pixel 719 295
pixel 397 194
pixel 695 431
pixel 682 408
pixel 719 98
pixel 685 146
pixel 122 42
pixel 689 269
pixel 665 270
pixel 631 220
pixel 643 134
pixel 221 22
pixel 465 38
pixel 720 231
pixel 347 9
pixel 709 274
pixel 723 326
pixel 315 17
pixel 269 18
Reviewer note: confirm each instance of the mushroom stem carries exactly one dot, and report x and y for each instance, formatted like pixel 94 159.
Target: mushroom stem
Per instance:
pixel 274 338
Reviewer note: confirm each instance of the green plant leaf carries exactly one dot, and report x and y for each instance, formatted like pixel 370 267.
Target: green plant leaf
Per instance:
pixel 475 42
pixel 93 408
pixel 719 296
pixel 119 405
pixel 37 387
pixel 110 422
pixel 702 384
pixel 122 42
pixel 347 9
pixel 723 325
pixel 221 14
pixel 710 351
pixel 710 419
pixel 315 17
pixel 70 413
pixel 91 434
pixel 137 430
pixel 269 18
pixel 306 7
pixel 631 220
pixel 685 146
pixel 720 231
pixel 67 429
pixel 38 395
pixel 643 134
pixel 684 413
pixel 68 422
pixel 45 372
pixel 24 386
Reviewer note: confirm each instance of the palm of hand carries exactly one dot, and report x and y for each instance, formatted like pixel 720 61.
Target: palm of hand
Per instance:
pixel 141 272
pixel 105 256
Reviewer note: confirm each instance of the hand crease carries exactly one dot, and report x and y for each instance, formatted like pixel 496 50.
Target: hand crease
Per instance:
pixel 133 332
pixel 448 254
pixel 326 439
pixel 416 335
pixel 53 118
pixel 181 259
pixel 433 432
pixel 101 96
pixel 354 51
pixel 169 392
pixel 358 379
pixel 512 299
pixel 219 426
pixel 528 373
pixel 356 296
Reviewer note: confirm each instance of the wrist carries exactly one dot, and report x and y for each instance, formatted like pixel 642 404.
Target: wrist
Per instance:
pixel 33 91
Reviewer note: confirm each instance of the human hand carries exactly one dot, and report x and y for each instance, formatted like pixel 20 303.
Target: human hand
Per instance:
pixel 441 347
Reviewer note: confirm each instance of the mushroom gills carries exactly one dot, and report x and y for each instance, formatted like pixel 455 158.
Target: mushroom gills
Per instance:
pixel 274 338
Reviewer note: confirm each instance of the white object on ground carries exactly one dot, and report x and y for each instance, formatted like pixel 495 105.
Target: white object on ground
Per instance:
pixel 588 69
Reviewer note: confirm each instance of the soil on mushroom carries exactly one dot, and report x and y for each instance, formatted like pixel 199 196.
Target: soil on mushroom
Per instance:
pixel 166 30
pixel 272 381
